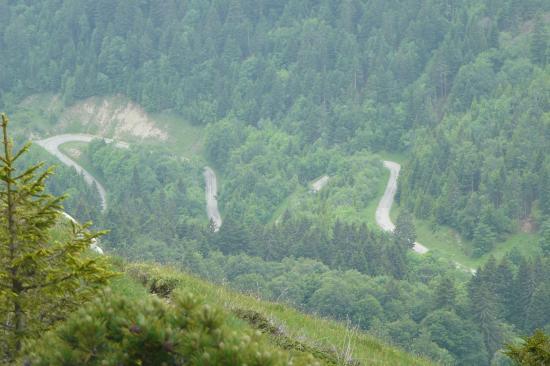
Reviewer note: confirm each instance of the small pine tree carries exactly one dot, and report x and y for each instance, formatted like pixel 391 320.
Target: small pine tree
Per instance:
pixel 41 279
pixel 115 330
pixel 484 239
pixel 396 259
pixel 485 314
pixel 405 233
pixel 524 287
pixel 445 293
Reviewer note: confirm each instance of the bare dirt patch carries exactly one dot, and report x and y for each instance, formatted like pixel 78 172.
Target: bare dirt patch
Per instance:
pixel 116 117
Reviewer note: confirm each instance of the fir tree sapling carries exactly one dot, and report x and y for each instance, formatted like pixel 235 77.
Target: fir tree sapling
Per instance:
pixel 41 278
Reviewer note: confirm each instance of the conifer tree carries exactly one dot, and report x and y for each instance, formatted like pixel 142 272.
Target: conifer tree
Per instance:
pixel 539 43
pixel 538 313
pixel 484 312
pixel 397 260
pixel 445 293
pixel 115 330
pixel 41 279
pixel 504 287
pixel 405 233
pixel 524 288
pixel 544 240
pixel 483 239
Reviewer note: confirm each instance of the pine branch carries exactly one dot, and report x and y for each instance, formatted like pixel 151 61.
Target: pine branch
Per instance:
pixel 29 171
pixel 23 150
pixel 49 284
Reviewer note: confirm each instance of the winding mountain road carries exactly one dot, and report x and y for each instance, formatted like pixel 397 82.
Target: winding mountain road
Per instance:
pixel 211 192
pixel 384 206
pixel 383 219
pixel 52 144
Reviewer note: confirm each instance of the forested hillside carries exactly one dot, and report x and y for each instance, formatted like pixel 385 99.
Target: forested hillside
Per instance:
pixel 461 84
pixel 484 168
pixel 288 91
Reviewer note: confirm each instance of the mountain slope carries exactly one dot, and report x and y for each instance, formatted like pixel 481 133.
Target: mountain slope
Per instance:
pixel 330 342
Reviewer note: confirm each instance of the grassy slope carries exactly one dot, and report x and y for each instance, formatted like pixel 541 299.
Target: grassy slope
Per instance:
pixel 447 242
pixel 184 138
pixel 326 339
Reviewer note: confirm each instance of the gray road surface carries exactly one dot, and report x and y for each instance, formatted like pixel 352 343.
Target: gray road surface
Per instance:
pixel 211 192
pixel 383 210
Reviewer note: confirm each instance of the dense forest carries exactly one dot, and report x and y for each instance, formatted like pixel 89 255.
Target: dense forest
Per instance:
pixel 288 91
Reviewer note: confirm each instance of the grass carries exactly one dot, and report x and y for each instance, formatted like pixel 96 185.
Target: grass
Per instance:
pixel 399 158
pixel 184 138
pixel 128 288
pixel 291 200
pixel 323 336
pixel 446 242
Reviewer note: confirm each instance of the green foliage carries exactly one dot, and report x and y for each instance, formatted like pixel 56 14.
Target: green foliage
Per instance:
pixel 114 330
pixel 371 303
pixel 81 200
pixel 41 279
pixel 544 240
pixel 534 351
pixel 462 339
pixel 458 174
pixel 293 90
pixel 405 233
pixel 301 335
pixel 445 293
pixel 539 43
pixel 163 193
pixel 483 239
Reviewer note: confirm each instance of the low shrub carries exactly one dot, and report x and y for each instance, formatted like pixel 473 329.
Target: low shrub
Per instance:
pixel 113 330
